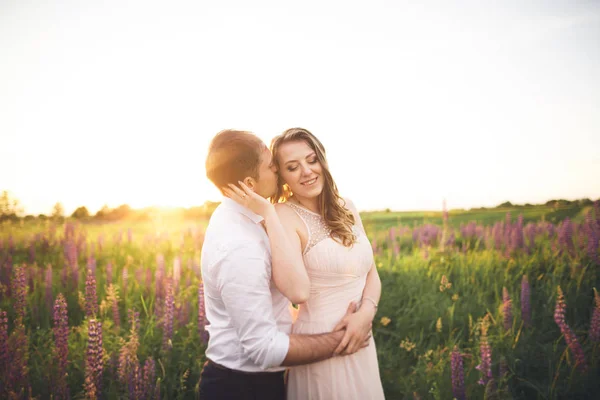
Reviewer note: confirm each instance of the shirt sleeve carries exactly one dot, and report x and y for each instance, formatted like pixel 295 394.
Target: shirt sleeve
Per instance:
pixel 244 282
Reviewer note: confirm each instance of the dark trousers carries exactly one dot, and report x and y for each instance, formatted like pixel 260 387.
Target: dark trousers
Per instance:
pixel 219 382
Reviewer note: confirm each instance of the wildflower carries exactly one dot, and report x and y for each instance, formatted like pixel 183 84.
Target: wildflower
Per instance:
pixel 445 284
pixel 61 335
pixel 455 297
pixel 570 337
pixel 507 309
pixel 19 290
pixel 438 325
pixel 94 360
pixel 407 345
pixel 458 375
pixel 91 299
pixel 485 352
pixel 148 377
pixel 595 325
pixel 525 301
pixel 385 321
pixel 168 315
pixel 112 297
pixel 3 343
pixel 202 314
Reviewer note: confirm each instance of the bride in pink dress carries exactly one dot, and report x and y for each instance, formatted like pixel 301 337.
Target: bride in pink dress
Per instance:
pixel 338 257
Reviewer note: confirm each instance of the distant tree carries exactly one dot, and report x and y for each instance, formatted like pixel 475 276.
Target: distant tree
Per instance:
pixel 103 212
pixel 58 211
pixel 81 213
pixel 9 207
pixel 505 205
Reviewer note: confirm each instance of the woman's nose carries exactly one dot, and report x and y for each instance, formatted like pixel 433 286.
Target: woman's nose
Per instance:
pixel 305 169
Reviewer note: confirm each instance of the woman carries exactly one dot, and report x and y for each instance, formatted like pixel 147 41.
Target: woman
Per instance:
pixel 328 233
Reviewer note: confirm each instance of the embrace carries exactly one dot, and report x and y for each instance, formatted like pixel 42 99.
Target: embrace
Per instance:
pixel 283 235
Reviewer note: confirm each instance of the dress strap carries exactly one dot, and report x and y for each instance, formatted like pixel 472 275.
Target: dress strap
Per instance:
pixel 316 227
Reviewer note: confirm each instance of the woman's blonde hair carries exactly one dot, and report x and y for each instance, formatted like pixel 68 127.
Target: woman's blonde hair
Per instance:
pixel 336 216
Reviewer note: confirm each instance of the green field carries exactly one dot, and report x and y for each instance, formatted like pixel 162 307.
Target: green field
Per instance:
pixel 438 285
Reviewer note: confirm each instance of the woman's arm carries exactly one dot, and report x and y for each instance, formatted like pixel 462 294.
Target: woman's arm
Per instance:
pixel 288 271
pixel 362 320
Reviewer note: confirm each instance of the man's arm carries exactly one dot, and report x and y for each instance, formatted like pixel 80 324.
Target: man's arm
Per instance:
pixel 306 349
pixel 244 285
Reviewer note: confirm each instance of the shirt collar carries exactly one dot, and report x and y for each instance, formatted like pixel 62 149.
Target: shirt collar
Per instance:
pixel 232 205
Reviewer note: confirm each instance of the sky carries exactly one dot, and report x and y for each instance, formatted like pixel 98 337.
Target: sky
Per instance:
pixel 113 102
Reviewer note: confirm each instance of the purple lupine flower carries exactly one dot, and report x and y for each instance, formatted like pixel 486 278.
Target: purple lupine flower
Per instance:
pixel 91 265
pixel 129 236
pixel 94 360
pixel 4 353
pixel 458 375
pixel 149 378
pixel 61 335
pixel 176 273
pixel 565 236
pixel 48 284
pixel 91 299
pixel 570 337
pixel 100 242
pixel 19 290
pixel 134 320
pixel 168 315
pixel 202 315
pixel 507 309
pixel 134 381
pixel 593 237
pixel 124 280
pixel 525 301
pixel 498 235
pixel 595 324
pixel 113 293
pixel 109 273
pixel 18 371
pixel 485 352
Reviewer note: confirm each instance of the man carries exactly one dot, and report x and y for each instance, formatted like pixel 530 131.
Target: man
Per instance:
pixel 249 318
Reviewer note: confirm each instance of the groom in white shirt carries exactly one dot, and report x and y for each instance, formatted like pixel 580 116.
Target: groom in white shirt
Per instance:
pixel 249 319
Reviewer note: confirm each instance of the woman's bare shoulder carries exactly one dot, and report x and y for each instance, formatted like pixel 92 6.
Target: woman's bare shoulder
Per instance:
pixel 285 212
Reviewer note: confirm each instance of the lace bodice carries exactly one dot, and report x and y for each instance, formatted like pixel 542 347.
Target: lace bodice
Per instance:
pixel 316 227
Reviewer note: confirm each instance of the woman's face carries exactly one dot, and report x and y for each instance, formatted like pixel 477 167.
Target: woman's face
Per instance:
pixel 300 168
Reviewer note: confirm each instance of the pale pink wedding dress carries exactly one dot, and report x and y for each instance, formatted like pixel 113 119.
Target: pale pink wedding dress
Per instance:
pixel 337 276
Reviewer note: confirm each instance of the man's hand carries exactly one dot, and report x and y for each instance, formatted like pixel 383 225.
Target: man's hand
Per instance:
pixel 358 326
pixel 249 199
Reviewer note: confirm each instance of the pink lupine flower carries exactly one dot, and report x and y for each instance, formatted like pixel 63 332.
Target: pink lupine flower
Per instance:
pixel 525 301
pixel 91 299
pixel 507 309
pixel 570 337
pixel 458 375
pixel 595 324
pixel 61 335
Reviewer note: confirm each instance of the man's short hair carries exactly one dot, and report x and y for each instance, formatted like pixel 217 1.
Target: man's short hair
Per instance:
pixel 232 156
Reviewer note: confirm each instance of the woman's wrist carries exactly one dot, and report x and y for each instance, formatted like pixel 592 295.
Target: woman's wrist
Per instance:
pixel 368 305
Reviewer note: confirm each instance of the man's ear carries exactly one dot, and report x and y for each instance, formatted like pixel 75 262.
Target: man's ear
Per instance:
pixel 250 182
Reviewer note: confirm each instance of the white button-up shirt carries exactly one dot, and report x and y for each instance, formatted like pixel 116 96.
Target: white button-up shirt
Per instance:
pixel 249 320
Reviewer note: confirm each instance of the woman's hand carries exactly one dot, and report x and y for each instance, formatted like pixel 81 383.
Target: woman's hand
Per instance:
pixel 358 330
pixel 249 199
